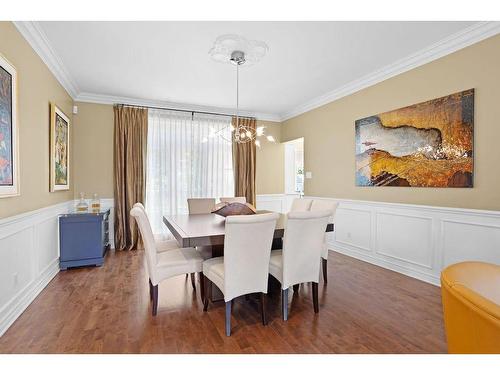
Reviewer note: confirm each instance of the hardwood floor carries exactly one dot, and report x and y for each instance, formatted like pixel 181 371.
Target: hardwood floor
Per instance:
pixel 363 309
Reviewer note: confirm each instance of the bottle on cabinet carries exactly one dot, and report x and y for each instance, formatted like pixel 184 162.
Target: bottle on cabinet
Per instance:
pixel 82 205
pixel 95 205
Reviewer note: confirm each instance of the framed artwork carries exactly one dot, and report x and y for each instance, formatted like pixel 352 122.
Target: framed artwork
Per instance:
pixel 429 144
pixel 59 149
pixel 9 153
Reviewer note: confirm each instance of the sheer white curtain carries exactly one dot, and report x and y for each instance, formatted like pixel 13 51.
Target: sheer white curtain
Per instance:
pixel 186 158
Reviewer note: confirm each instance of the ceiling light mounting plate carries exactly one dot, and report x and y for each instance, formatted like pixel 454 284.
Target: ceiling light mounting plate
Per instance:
pixel 238 57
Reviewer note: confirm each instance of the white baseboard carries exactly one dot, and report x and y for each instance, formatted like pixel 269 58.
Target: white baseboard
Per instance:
pixel 12 310
pixel 408 271
pixel 29 258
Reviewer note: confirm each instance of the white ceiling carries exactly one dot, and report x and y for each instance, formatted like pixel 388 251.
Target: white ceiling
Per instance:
pixel 169 61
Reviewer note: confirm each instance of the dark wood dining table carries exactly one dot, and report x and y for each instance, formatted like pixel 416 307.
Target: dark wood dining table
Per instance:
pixel 208 230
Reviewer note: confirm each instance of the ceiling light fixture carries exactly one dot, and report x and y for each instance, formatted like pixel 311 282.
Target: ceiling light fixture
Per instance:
pixel 237 50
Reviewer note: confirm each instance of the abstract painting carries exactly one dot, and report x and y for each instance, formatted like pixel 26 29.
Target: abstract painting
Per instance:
pixel 9 167
pixel 424 145
pixel 59 150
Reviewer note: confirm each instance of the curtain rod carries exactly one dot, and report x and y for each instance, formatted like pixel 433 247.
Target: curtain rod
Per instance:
pixel 182 110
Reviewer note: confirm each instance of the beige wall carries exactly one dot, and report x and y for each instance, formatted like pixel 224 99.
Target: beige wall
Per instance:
pixel 93 153
pixel 37 87
pixel 270 172
pixel 329 130
pixel 328 133
pixel 93 150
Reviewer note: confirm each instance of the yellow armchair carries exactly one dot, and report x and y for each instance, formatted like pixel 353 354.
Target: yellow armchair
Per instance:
pixel 471 304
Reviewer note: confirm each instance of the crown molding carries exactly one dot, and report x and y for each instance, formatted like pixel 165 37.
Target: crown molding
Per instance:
pixel 110 99
pixel 33 33
pixel 35 36
pixel 466 37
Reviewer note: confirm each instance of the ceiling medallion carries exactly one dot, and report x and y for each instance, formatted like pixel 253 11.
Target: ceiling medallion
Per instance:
pixel 239 51
pixel 225 45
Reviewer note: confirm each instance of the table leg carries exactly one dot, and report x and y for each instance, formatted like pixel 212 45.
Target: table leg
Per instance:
pixel 277 244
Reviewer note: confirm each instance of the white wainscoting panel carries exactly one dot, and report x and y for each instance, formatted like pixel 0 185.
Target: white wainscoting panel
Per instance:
pixel 29 258
pixel 354 218
pixel 272 202
pixel 418 241
pixel 405 238
pixel 470 240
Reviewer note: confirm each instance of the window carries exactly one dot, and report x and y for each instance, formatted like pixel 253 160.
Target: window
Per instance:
pixel 188 156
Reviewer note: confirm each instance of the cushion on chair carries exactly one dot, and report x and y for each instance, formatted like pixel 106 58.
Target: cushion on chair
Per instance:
pixel 471 304
pixel 213 269
pixel 166 245
pixel 276 264
pixel 177 262
pixel 204 251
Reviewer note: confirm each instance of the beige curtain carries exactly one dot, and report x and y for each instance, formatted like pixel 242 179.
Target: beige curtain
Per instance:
pixel 244 160
pixel 131 129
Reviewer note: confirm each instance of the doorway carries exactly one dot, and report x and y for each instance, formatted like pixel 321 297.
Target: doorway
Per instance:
pixel 294 167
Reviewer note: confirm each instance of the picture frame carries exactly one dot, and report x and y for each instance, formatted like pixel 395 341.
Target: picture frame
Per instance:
pixel 425 145
pixel 9 134
pixel 60 128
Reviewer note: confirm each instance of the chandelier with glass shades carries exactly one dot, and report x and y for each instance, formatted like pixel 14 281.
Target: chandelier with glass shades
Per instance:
pixel 237 50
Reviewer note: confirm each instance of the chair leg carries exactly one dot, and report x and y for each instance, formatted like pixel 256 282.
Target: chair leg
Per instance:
pixel 263 308
pixel 284 302
pixel 315 297
pixel 155 299
pixel 325 270
pixel 208 288
pixel 296 288
pixel 193 281
pixel 202 286
pixel 150 290
pixel 228 318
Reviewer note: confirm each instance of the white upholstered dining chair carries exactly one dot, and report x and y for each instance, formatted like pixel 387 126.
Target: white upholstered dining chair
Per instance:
pixel 244 268
pixel 320 205
pixel 200 205
pixel 165 245
pixel 242 200
pixel 166 264
pixel 299 260
pixel 301 204
pixel 161 244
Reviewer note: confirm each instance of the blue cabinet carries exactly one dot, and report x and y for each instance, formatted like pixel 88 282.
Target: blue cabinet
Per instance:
pixel 83 239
